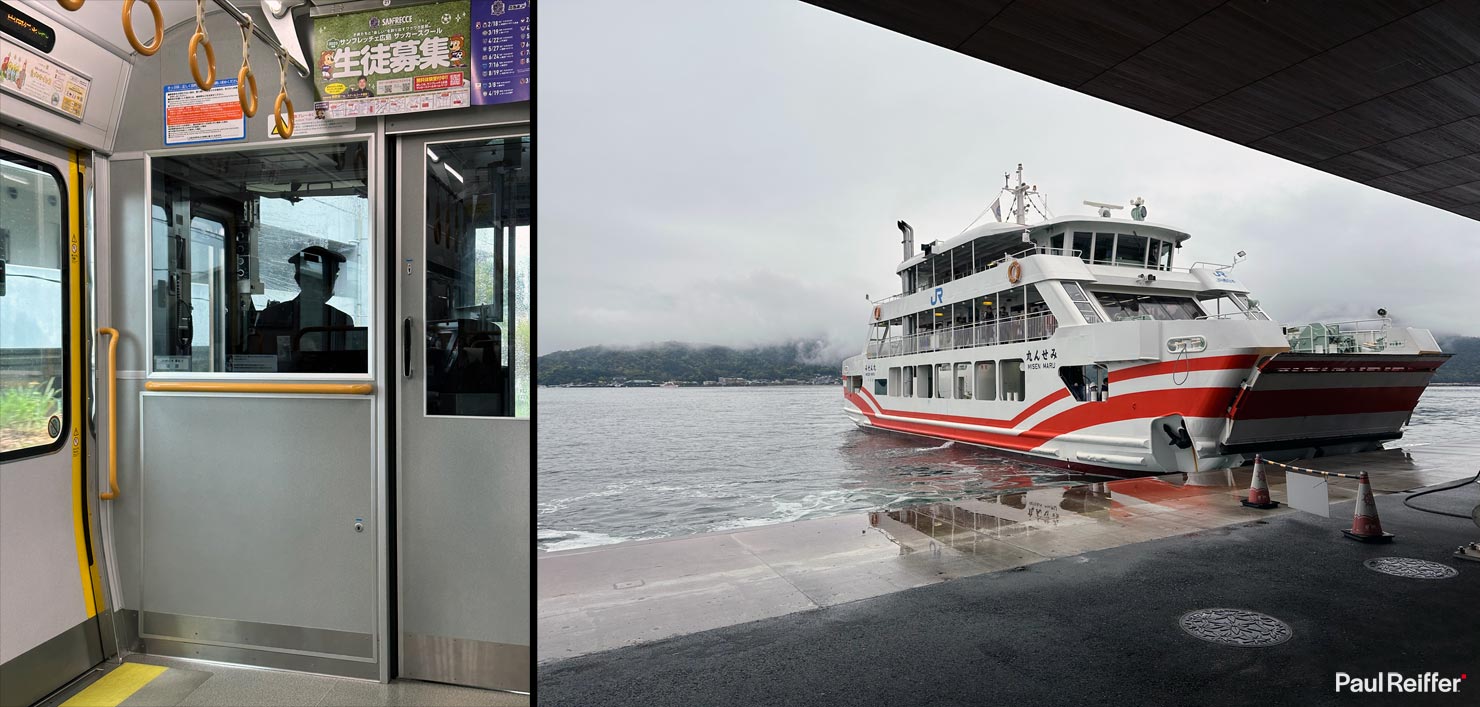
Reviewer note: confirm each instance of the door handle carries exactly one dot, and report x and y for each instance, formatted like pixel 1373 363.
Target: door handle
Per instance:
pixel 112 491
pixel 406 347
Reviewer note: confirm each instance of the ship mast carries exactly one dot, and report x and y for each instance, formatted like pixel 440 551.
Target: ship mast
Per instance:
pixel 1020 194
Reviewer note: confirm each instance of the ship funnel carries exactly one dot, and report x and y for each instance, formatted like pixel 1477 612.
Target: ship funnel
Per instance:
pixel 909 239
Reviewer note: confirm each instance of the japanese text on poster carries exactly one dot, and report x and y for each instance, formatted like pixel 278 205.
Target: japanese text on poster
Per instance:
pixel 37 79
pixel 503 48
pixel 192 115
pixel 396 60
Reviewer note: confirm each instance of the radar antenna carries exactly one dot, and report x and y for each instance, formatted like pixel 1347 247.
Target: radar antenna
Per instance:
pixel 1103 207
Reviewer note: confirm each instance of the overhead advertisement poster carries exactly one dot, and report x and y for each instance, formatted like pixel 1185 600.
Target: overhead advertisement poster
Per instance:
pixel 502 49
pixel 42 81
pixel 394 60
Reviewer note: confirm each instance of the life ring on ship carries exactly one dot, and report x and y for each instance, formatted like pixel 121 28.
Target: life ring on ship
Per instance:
pixel 876 314
pixel 1014 272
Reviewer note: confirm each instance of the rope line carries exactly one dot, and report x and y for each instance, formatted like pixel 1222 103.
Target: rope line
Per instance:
pixel 1307 471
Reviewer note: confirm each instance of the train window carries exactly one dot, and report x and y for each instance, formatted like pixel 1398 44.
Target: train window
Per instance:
pixel 33 307
pixel 262 261
pixel 477 277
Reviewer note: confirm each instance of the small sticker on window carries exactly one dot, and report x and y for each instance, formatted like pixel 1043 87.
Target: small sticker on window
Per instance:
pixel 171 363
pixel 54 426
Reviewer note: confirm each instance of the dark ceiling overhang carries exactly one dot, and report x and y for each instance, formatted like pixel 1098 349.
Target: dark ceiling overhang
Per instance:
pixel 1382 92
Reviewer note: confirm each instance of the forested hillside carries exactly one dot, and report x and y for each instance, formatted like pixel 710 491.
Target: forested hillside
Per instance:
pixel 685 362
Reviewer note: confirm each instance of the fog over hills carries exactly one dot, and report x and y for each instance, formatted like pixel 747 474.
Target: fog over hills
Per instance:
pixel 800 359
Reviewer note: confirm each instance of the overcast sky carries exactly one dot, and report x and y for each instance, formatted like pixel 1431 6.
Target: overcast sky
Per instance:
pixel 730 173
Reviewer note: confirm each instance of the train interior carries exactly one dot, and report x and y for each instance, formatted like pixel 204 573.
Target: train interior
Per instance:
pixel 265 356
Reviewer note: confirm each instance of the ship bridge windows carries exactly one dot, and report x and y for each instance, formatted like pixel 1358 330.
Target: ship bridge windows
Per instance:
pixel 1125 249
pixel 1125 307
pixel 1130 249
pixel 1104 249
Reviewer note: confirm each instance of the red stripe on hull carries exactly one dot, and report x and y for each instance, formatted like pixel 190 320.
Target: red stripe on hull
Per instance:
pixel 1260 405
pixel 1044 402
pixel 1206 363
pixel 1188 402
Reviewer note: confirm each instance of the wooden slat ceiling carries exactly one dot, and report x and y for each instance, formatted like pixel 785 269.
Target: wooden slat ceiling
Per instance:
pixel 1383 92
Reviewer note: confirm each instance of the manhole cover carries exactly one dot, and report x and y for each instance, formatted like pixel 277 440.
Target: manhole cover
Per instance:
pixel 1409 567
pixel 1235 627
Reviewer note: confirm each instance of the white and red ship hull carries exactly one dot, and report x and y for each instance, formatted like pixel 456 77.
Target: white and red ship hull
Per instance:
pixel 1232 406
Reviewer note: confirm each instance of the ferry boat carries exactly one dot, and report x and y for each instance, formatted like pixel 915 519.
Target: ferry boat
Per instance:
pixel 1080 342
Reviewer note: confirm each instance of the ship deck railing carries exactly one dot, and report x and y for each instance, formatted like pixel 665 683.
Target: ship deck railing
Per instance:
pixel 1033 327
pixel 1356 336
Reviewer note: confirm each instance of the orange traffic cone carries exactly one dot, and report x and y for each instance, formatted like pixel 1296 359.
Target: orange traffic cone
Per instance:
pixel 1259 489
pixel 1365 525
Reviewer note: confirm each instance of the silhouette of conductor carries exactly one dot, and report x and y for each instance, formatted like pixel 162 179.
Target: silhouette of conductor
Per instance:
pixel 315 269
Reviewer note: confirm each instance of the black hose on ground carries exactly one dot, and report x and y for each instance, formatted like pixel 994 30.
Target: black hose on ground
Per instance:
pixel 1436 490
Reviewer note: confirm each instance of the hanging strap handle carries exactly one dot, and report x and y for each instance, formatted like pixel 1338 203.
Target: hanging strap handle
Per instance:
pixel 202 39
pixel 284 127
pixel 128 28
pixel 245 77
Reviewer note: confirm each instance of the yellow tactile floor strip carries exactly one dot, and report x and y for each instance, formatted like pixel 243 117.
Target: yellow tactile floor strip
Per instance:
pixel 116 686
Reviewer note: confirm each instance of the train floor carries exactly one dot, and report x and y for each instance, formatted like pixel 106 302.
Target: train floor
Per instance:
pixel 155 681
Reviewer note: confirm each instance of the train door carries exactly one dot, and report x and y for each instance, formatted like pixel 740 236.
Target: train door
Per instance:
pixel 463 443
pixel 50 591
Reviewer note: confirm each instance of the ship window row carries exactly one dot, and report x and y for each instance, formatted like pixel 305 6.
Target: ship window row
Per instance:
pixel 1124 307
pixel 1128 249
pixel 1013 315
pixel 964 380
pixel 962 261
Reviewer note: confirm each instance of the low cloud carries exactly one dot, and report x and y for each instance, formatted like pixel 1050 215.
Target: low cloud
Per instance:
pixel 742 190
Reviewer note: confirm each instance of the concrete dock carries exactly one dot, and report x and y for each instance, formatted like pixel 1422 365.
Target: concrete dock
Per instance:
pixel 610 596
pixel 916 602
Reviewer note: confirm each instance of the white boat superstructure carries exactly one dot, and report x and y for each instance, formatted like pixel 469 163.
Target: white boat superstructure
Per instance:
pixel 1081 342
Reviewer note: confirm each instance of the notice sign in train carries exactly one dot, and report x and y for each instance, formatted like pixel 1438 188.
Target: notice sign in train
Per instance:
pixel 193 116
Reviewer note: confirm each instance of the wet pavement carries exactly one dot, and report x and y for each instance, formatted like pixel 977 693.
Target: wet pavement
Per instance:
pixel 1098 627
pixel 627 594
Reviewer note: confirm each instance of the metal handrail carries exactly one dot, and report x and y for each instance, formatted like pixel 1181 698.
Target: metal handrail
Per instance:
pixel 1002 331
pixel 1342 340
pixel 112 335
pixel 1026 252
pixel 229 387
pixel 271 41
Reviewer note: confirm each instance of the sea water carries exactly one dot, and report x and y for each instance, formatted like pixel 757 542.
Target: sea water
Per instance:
pixel 616 464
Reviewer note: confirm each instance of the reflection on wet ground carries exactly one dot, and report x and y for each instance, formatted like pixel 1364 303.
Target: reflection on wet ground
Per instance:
pixel 605 597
